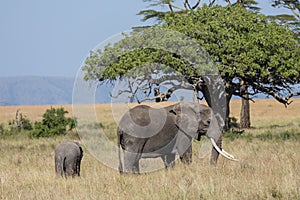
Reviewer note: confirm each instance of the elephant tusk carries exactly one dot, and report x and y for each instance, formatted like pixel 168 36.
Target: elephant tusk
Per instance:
pixel 222 152
pixel 231 156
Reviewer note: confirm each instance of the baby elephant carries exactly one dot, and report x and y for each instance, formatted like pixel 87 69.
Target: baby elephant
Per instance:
pixel 68 157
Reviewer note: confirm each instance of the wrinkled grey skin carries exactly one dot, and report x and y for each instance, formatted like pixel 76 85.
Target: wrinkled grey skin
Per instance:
pixel 182 123
pixel 68 155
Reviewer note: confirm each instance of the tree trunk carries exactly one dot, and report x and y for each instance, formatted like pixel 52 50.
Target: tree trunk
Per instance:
pixel 245 109
pixel 245 114
pixel 227 113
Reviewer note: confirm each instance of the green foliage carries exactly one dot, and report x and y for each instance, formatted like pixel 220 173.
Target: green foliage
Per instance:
pixel 246 46
pixel 293 20
pixel 10 131
pixel 23 124
pixel 186 6
pixel 54 123
pixel 293 5
pixel 1 129
pixel 12 128
pixel 143 48
pixel 26 124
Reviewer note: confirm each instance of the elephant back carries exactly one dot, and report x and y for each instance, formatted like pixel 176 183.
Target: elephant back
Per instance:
pixel 143 121
pixel 140 115
pixel 68 147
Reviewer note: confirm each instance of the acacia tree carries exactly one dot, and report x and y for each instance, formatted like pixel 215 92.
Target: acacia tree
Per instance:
pixel 185 6
pixel 293 5
pixel 293 21
pixel 248 50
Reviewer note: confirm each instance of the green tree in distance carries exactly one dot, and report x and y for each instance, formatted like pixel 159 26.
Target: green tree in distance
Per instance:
pixel 293 5
pixel 248 4
pixel 292 20
pixel 248 49
pixel 185 6
pixel 283 19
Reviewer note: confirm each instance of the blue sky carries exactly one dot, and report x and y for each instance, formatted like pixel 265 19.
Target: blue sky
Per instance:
pixel 52 38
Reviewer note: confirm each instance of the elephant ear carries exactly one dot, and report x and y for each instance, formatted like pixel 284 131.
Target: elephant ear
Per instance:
pixel 186 118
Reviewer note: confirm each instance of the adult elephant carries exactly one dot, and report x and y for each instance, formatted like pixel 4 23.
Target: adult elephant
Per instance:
pixel 146 132
pixel 68 155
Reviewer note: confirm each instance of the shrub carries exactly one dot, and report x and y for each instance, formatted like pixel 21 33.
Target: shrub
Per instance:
pixel 1 129
pixel 26 124
pixel 53 123
pixel 23 124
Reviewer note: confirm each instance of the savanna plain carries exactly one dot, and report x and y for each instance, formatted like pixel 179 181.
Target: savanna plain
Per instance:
pixel 268 167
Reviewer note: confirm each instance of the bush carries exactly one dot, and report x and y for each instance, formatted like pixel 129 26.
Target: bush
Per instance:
pixel 26 124
pixel 54 123
pixel 1 129
pixel 7 131
pixel 22 124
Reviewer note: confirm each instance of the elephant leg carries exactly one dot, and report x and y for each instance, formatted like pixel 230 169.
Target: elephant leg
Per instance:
pixel 184 148
pixel 131 162
pixel 71 166
pixel 58 167
pixel 169 160
pixel 186 157
pixel 69 170
pixel 215 153
pixel 78 171
pixel 78 166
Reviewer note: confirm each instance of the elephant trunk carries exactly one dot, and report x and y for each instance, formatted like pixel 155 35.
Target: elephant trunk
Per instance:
pixel 214 132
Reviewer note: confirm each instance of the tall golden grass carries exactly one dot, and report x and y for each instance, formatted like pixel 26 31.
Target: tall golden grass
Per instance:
pixel 265 110
pixel 268 169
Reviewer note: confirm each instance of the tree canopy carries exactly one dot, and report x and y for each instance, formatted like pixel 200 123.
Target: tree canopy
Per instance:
pixel 185 6
pixel 245 46
pixel 247 49
pixel 292 20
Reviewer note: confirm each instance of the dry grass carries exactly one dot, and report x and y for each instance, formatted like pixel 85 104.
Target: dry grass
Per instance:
pixel 34 113
pixel 265 110
pixel 267 169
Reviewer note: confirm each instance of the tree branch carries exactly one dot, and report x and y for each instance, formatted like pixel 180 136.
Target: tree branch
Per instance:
pixel 212 2
pixel 284 100
pixel 171 6
pixel 187 5
pixel 164 96
pixel 294 11
pixel 196 5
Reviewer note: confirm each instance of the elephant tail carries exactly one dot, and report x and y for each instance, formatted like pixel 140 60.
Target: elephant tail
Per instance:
pixel 119 151
pixel 63 167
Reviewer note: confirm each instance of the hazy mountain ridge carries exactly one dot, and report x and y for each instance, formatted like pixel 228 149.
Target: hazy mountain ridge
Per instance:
pixel 41 90
pixel 35 90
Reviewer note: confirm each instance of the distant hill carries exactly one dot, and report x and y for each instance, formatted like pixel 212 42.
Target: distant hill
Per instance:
pixel 34 90
pixel 37 90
